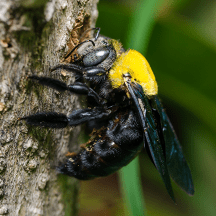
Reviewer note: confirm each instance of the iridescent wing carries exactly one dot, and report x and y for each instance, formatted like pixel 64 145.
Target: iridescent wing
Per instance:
pixel 151 134
pixel 175 160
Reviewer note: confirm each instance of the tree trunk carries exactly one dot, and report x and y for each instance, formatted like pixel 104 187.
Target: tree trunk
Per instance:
pixel 36 35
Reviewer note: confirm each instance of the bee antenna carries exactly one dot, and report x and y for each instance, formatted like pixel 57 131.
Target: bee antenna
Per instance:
pixel 96 36
pixel 77 47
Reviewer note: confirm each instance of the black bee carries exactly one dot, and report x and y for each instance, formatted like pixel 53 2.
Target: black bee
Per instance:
pixel 124 111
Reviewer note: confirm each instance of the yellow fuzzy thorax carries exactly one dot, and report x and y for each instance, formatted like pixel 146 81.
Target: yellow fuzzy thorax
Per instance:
pixel 136 65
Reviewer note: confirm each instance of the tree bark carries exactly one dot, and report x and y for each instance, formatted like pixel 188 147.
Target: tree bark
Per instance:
pixel 36 35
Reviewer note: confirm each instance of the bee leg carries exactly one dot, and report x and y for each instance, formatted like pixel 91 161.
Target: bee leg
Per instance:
pixel 83 89
pixel 77 87
pixel 88 73
pixel 50 119
pixel 78 117
pixel 50 82
pixel 59 120
pixel 68 67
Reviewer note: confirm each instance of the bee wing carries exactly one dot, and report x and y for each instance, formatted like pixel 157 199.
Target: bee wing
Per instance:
pixel 151 134
pixel 176 163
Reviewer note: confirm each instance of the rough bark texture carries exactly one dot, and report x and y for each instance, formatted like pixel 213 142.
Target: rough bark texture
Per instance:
pixel 36 35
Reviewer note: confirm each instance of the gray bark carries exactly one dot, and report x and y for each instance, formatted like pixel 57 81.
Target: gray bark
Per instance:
pixel 34 36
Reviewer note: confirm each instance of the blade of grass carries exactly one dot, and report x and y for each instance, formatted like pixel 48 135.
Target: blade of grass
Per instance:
pixel 131 189
pixel 142 23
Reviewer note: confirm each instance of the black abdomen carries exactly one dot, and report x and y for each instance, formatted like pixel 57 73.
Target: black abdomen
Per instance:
pixel 110 149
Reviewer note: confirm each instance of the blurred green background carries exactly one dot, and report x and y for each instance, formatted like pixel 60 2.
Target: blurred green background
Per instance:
pixel 182 54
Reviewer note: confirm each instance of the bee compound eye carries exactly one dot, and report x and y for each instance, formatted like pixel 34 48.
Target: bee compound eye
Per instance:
pixel 95 57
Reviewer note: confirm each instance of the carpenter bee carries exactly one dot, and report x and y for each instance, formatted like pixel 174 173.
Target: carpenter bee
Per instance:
pixel 124 110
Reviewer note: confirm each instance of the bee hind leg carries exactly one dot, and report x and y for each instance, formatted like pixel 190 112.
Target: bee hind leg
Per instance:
pixel 49 119
pixel 60 120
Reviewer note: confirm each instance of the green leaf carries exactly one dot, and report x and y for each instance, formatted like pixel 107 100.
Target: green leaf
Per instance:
pixel 140 28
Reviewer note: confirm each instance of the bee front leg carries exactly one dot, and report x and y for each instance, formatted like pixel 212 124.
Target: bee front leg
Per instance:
pixel 77 87
pixel 92 73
